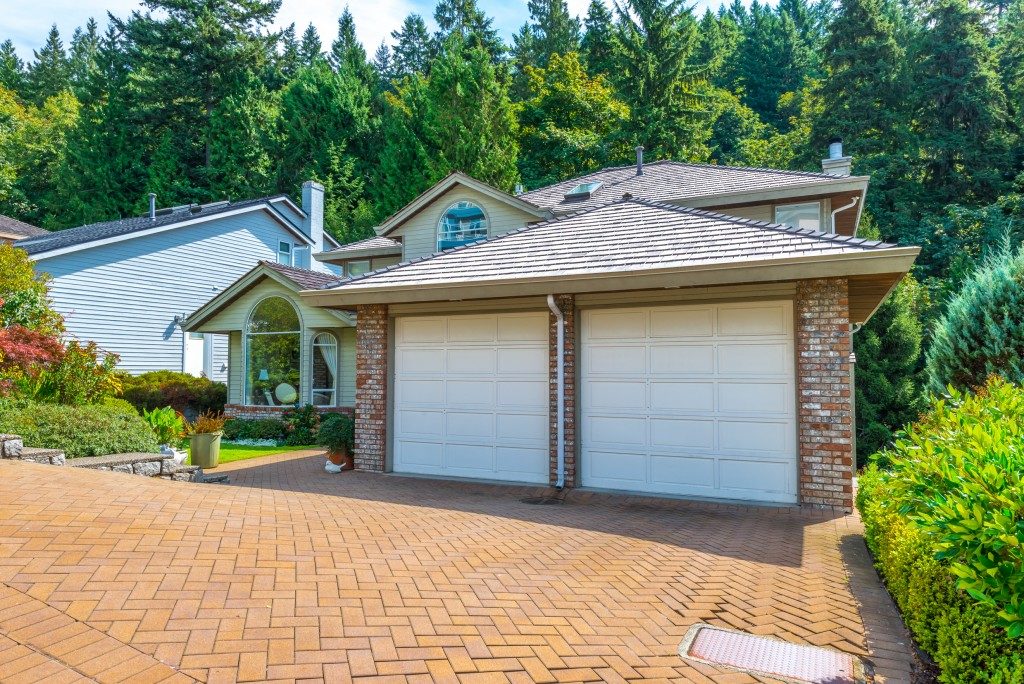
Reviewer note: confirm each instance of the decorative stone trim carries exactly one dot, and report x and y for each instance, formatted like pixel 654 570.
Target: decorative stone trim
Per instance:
pixel 371 386
pixel 825 408
pixel 567 305
pixel 260 412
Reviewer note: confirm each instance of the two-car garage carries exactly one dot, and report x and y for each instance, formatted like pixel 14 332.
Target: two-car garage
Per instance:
pixel 694 399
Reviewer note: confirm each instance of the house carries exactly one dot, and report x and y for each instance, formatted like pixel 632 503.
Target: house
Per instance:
pixel 128 284
pixel 670 329
pixel 12 230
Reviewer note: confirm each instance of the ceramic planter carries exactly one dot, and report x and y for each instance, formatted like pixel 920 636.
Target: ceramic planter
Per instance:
pixel 206 450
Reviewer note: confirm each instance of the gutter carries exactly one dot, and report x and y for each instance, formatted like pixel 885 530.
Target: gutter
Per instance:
pixel 560 389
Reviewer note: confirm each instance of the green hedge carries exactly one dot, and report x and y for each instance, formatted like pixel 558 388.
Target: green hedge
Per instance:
pixel 186 394
pixel 257 428
pixel 91 430
pixel 943 513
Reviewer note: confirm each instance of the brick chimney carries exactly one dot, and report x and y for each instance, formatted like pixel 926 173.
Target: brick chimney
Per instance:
pixel 836 164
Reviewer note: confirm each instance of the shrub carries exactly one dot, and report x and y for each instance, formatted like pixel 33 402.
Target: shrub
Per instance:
pixel 206 424
pixel 118 405
pixel 982 330
pixel 259 428
pixel 337 432
pixel 186 394
pixel 166 423
pixel 301 425
pixel 84 374
pixel 91 430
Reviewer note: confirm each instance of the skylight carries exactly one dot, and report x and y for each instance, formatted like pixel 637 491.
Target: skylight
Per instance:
pixel 583 191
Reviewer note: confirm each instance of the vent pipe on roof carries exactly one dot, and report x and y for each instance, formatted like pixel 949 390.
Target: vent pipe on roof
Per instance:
pixel 519 188
pixel 836 164
pixel 152 206
pixel 639 160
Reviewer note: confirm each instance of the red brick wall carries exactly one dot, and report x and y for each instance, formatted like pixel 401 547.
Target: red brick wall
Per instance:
pixel 252 412
pixel 567 305
pixel 371 386
pixel 825 408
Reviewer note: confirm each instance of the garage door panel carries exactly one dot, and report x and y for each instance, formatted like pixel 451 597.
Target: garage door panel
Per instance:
pixel 471 361
pixel 521 360
pixel 524 464
pixel 682 396
pixel 419 361
pixel 755 476
pixel 682 323
pixel 469 457
pixel 460 426
pixel 754 397
pixel 616 324
pixel 615 468
pixel 518 393
pixel 688 359
pixel 758 359
pixel 420 330
pixel 754 436
pixel 424 424
pixel 521 427
pixel 466 393
pixel 418 455
pixel 616 394
pixel 472 329
pixel 617 430
pixel 414 391
pixel 677 472
pixel 753 320
pixel 617 360
pixel 523 328
pixel 682 433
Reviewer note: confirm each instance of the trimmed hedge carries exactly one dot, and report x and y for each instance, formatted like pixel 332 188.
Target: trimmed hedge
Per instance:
pixel 90 430
pixel 186 394
pixel 259 428
pixel 943 512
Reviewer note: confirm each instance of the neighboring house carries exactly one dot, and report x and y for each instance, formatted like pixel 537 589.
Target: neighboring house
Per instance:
pixel 128 284
pixel 12 230
pixel 672 329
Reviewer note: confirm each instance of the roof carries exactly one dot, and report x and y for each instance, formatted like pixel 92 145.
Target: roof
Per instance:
pixel 14 227
pixel 664 181
pixel 374 246
pixel 625 245
pixel 303 277
pixel 92 232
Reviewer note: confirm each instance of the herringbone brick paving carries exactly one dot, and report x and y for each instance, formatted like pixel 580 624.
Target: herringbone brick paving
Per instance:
pixel 290 573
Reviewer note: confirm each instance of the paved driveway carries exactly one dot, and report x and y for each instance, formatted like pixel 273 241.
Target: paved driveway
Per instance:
pixel 291 573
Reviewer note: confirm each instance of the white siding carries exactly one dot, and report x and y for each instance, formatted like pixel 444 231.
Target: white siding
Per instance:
pixel 125 295
pixel 419 234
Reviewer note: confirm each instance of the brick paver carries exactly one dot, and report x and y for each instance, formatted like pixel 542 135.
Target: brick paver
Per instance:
pixel 290 573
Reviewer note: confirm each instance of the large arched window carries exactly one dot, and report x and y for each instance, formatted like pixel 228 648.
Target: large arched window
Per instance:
pixel 272 354
pixel 461 223
pixel 325 369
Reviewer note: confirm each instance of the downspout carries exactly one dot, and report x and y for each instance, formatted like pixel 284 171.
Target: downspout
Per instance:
pixel 853 396
pixel 832 222
pixel 560 390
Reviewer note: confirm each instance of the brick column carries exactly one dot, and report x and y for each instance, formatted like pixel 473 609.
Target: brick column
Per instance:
pixel 371 386
pixel 825 406
pixel 567 305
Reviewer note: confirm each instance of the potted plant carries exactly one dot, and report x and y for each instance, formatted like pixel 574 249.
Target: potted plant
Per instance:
pixel 205 433
pixel 169 428
pixel 337 433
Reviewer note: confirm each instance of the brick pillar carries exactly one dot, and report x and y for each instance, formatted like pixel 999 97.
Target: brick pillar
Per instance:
pixel 371 386
pixel 567 304
pixel 823 385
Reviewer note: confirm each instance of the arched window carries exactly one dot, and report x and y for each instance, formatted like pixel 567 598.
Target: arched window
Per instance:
pixel 325 369
pixel 272 354
pixel 461 223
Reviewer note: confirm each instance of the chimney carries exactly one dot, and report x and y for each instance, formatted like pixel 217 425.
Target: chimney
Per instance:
pixel 313 205
pixel 519 188
pixel 639 160
pixel 152 206
pixel 836 164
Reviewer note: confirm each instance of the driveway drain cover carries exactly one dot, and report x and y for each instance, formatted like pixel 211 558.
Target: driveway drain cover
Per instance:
pixel 770 657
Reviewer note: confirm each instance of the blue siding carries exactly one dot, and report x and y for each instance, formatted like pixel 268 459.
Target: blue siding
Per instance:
pixel 125 295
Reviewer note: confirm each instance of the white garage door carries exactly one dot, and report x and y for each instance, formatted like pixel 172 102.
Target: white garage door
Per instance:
pixel 471 396
pixel 691 400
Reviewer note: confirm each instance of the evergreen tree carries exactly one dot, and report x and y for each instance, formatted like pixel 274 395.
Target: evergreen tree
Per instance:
pixel 348 53
pixel 50 73
pixel 551 30
pixel 310 48
pixel 1011 59
pixel 242 141
pixel 657 80
pixel 718 40
pixel 465 19
pixel 962 118
pixel 599 42
pixel 12 68
pixel 412 47
pixel 384 65
pixel 82 59
pixel 289 60
pixel 571 123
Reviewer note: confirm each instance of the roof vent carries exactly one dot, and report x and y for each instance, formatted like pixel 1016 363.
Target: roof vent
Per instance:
pixel 152 206
pixel 836 164
pixel 519 188
pixel 627 195
pixel 639 160
pixel 583 191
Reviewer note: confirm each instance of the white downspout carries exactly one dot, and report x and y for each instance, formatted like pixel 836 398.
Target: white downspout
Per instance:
pixel 560 389
pixel 832 222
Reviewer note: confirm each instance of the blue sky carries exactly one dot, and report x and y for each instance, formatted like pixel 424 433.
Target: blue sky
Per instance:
pixel 26 23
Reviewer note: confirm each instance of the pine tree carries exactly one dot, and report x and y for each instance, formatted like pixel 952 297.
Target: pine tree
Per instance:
pixel 552 29
pixel 412 47
pixel 571 124
pixel 82 58
pixel 288 60
pixel 348 53
pixel 12 68
pixel 242 141
pixel 656 79
pixel 1011 59
pixel 384 66
pixel 718 41
pixel 599 42
pixel 310 48
pixel 50 73
pixel 467 20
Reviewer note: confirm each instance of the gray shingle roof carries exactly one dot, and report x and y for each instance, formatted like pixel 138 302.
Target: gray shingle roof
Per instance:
pixel 621 237
pixel 665 181
pixel 373 243
pixel 304 278
pixel 107 229
pixel 12 226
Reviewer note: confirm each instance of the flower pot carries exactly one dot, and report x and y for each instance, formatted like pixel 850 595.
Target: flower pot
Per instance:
pixel 206 449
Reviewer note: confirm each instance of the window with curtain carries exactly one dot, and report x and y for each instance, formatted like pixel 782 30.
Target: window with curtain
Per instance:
pixel 272 354
pixel 463 222
pixel 325 369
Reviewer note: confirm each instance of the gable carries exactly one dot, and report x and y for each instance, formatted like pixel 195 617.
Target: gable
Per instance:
pixel 234 315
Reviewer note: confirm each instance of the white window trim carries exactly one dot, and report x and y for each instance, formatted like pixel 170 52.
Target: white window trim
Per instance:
pixel 449 207
pixel 312 360
pixel 285 247
pixel 821 219
pixel 246 401
pixel 348 266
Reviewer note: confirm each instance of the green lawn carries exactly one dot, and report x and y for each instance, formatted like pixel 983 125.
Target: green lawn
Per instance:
pixel 239 452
